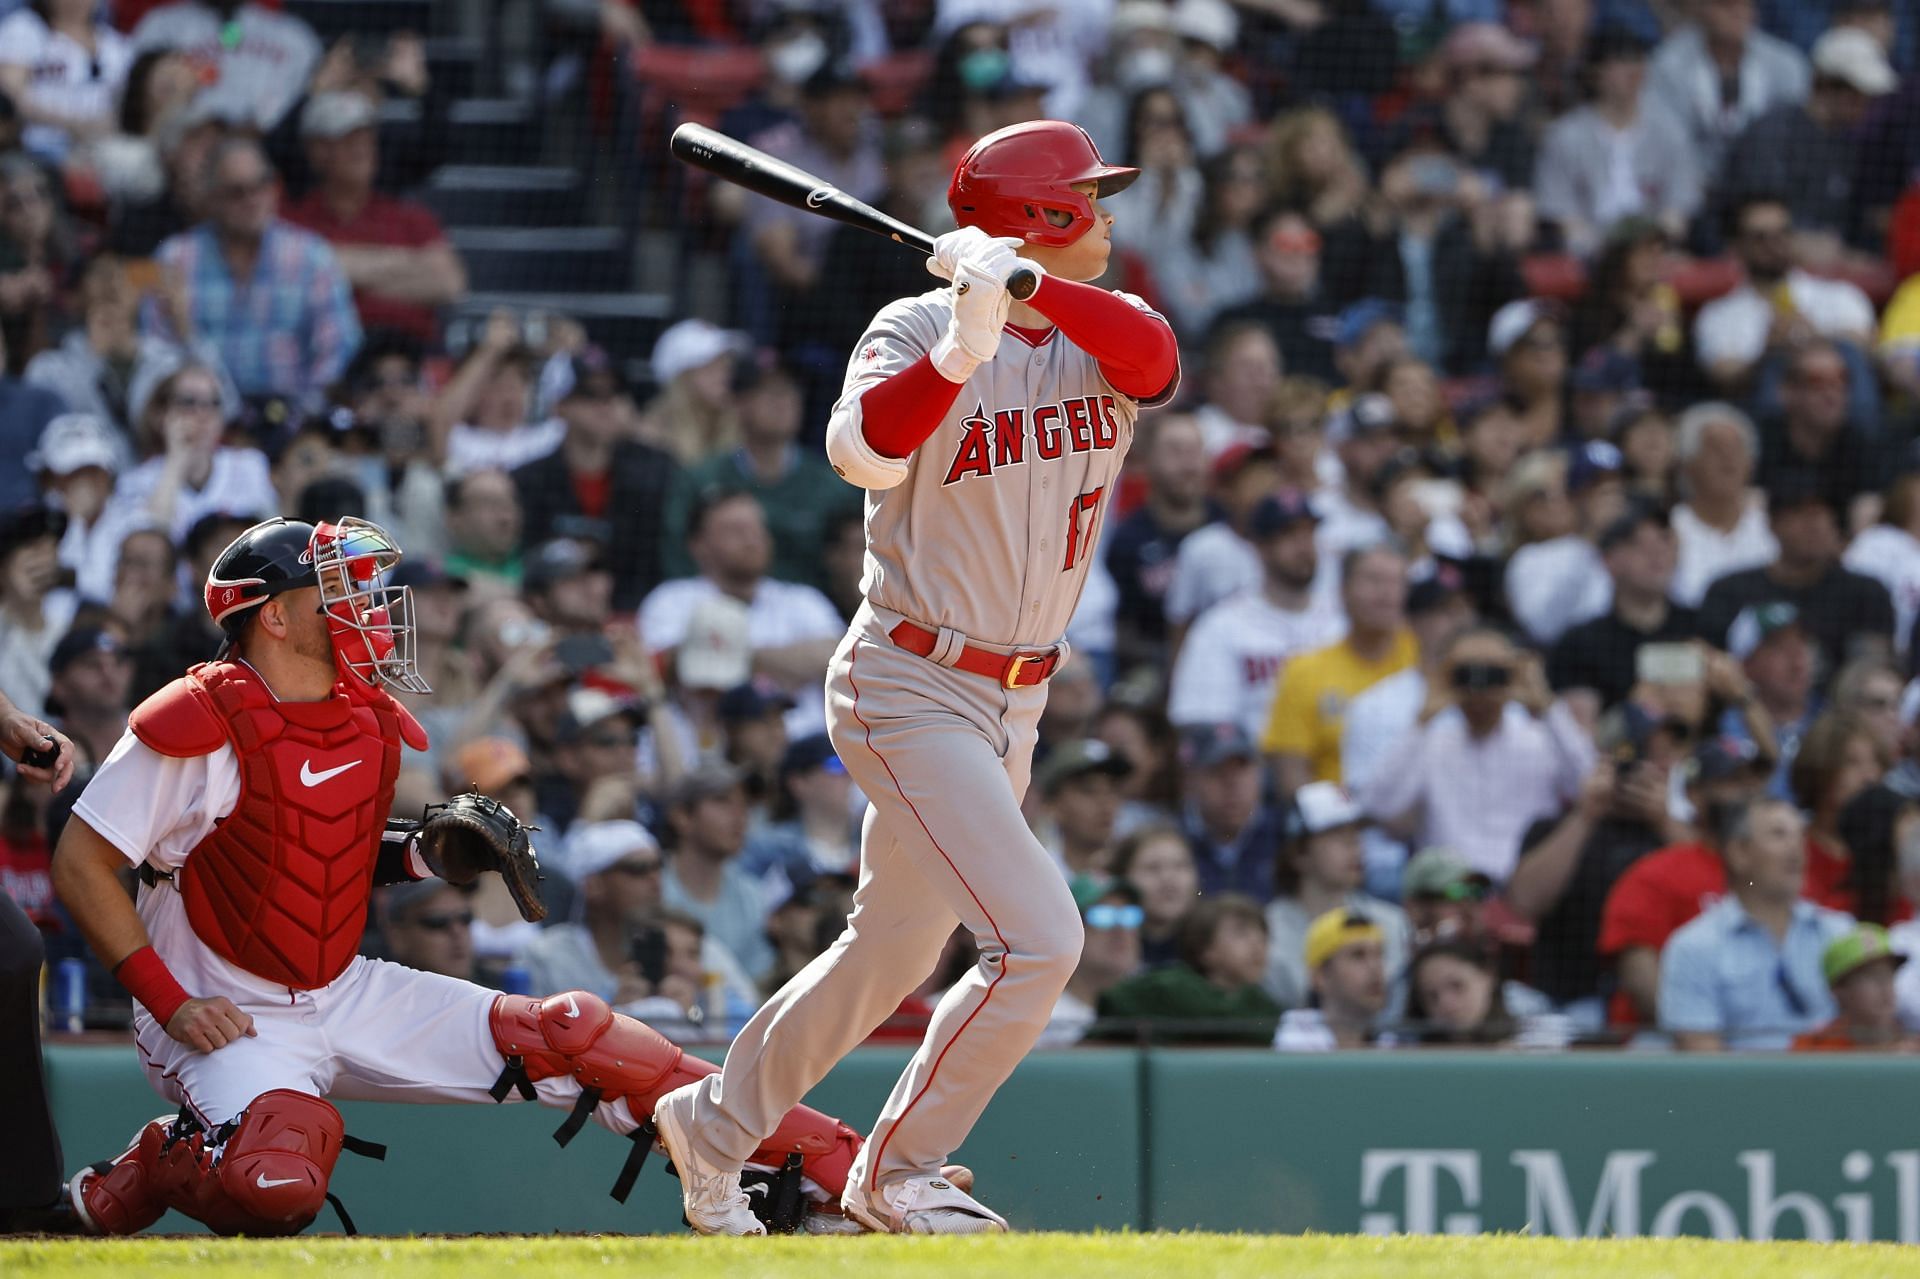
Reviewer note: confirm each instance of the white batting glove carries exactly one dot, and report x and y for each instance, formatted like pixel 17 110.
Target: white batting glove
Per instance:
pixel 980 305
pixel 968 241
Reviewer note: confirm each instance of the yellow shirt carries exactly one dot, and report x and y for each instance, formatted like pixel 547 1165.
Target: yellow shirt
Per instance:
pixel 1901 324
pixel 1311 705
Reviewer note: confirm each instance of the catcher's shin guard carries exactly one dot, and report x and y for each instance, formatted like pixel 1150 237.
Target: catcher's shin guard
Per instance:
pixel 615 1056
pixel 117 1197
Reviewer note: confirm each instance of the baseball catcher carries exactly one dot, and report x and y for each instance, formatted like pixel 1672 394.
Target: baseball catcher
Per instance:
pixel 252 795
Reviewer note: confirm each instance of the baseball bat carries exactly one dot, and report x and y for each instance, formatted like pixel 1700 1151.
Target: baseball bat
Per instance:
pixel 761 173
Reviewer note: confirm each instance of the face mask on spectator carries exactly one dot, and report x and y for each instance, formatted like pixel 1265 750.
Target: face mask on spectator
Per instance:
pixel 1141 68
pixel 792 61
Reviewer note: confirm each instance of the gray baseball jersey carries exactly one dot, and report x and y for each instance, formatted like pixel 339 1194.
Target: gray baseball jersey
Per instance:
pixel 993 529
pixel 989 529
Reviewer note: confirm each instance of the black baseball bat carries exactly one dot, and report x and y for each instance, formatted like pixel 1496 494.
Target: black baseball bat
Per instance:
pixel 761 173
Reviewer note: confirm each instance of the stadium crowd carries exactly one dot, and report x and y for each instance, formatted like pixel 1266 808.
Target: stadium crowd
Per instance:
pixel 1507 637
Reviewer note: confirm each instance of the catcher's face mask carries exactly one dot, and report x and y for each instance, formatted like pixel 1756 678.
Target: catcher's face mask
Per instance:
pixel 370 621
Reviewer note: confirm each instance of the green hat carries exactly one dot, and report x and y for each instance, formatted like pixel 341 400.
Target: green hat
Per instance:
pixel 1851 951
pixel 1442 873
pixel 1069 760
pixel 1089 889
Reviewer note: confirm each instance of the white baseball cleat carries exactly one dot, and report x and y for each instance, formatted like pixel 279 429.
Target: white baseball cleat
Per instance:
pixel 715 1203
pixel 924 1206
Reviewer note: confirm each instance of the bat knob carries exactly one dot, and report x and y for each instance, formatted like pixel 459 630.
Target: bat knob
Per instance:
pixel 1021 284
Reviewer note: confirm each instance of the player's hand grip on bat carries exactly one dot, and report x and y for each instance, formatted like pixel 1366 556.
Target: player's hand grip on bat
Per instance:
pixel 980 304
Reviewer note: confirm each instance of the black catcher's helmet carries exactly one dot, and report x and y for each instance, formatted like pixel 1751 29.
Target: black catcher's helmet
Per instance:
pixel 271 557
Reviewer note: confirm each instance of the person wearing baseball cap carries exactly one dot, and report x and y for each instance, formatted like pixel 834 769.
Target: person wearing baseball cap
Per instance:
pixel 1345 956
pixel 1213 994
pixel 1595 659
pixel 1320 868
pixel 92 677
pixel 78 460
pixel 1859 966
pixel 809 833
pixel 1443 895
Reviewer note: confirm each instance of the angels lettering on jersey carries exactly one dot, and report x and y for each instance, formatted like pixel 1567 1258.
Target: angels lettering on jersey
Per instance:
pixel 989 441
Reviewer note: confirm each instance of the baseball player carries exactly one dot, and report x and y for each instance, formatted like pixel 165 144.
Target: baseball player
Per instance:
pixel 988 435
pixel 252 796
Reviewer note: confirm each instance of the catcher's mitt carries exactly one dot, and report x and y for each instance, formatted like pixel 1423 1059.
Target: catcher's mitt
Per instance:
pixel 471 833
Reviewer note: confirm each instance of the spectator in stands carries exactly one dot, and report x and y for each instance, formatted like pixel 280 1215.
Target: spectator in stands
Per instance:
pixel 1632 309
pixel 567 584
pixel 1443 897
pixel 1843 612
pixel 1777 304
pixel 1813 435
pixel 1646 440
pixel 94 367
pixel 791 628
pixel 34 610
pixel 752 718
pixel 428 925
pixel 1312 166
pixel 1366 441
pixel 837 144
pixel 1718 73
pixel 1286 253
pixel 598 482
pixel 1527 339
pixel 1216 102
pixel 1568 864
pixel 186 634
pixel 1721 526
pixel 796 488
pixel 483 530
pixel 1889 553
pixel 1077 783
pixel 269 296
pixel 1455 997
pixel 1320 868
pixel 1215 986
pixel 38 249
pixel 91 680
pixel 1870 688
pixel 1778 657
pixel 1838 759
pixel 392 251
pixel 25 411
pixel 77 460
pixel 1622 155
pixel 1234 653
pixel 1112 915
pixel 1156 861
pixel 1558 508
pixel 1243 368
pixel 1232 833
pixel 1160 207
pixel 694 417
pixel 257 59
pixel 195 472
pixel 1140 734
pixel 1141 550
pixel 1478 117
pixel 1297 421
pixel 386 394
pixel 1665 889
pixel 1746 973
pixel 1804 150
pixel 482 417
pixel 64 68
pixel 1346 955
pixel 1860 968
pixel 156 205
pixel 1593 664
pixel 707 813
pixel 810 833
pixel 917 176
pixel 1872 826
pixel 1216 269
pixel 1302 737
pixel 1493 754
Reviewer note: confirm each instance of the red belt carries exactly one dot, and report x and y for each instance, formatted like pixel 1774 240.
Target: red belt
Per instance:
pixel 1009 670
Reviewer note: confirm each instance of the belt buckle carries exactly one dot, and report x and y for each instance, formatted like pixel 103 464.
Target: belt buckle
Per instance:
pixel 1016 667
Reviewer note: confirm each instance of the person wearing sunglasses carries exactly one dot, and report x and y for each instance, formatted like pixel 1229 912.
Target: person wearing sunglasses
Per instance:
pixel 1113 915
pixel 1492 753
pixel 1213 995
pixel 1747 974
pixel 429 927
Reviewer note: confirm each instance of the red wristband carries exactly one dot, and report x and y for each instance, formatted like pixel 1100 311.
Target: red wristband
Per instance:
pixel 149 980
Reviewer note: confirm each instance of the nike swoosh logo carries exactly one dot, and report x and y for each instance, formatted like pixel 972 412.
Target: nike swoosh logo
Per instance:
pixel 757 1188
pixel 262 1182
pixel 310 778
pixel 573 1009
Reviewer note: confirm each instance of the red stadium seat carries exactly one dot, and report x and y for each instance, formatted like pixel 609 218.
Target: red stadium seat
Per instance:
pixel 1561 276
pixel 895 80
pixel 694 83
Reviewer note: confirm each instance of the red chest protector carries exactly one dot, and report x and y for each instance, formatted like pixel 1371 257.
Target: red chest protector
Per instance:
pixel 280 885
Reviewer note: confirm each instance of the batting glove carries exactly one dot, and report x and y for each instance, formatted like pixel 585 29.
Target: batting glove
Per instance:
pixel 980 305
pixel 967 242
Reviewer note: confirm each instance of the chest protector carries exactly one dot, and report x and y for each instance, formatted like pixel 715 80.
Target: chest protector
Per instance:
pixel 280 886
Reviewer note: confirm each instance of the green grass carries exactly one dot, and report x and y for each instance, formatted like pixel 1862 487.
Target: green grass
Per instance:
pixel 1109 1256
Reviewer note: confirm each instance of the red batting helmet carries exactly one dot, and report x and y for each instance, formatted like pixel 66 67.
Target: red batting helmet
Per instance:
pixel 1007 181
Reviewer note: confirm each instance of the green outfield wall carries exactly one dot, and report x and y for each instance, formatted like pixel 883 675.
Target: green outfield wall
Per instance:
pixel 1573 1144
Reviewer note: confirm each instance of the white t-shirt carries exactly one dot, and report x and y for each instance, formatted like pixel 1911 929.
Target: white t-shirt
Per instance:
pixel 1212 564
pixel 1233 656
pixel 239 483
pixel 780 613
pixel 1891 557
pixel 479 448
pixel 62 77
pixel 1557 584
pixel 155 808
pixel 1706 554
pixel 264 71
pixel 1735 326
pixel 24 654
pixel 1220 432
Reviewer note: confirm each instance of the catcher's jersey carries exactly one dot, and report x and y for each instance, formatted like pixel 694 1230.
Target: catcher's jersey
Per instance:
pixel 992 531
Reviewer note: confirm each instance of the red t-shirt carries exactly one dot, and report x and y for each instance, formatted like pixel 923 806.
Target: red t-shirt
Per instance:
pixel 593 492
pixel 1664 890
pixel 386 223
pixel 26 875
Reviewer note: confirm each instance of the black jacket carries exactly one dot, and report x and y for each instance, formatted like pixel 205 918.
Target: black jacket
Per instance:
pixel 630 530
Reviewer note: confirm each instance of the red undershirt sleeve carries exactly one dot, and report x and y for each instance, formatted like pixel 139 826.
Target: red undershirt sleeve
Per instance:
pixel 1136 350
pixel 898 414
